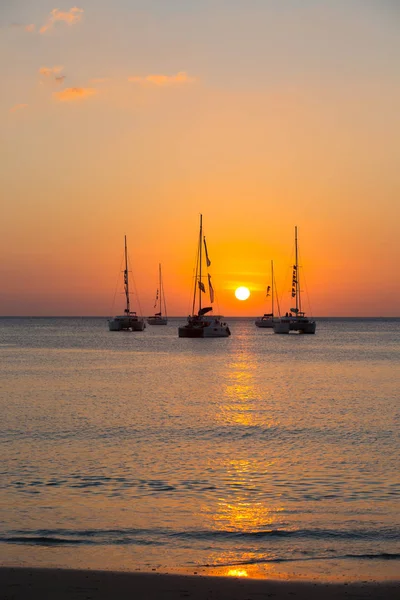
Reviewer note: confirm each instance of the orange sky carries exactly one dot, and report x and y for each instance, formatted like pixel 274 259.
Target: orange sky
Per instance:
pixel 132 118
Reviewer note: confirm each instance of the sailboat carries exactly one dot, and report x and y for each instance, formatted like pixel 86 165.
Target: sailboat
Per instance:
pixel 296 320
pixel 267 320
pixel 158 318
pixel 201 324
pixel 129 321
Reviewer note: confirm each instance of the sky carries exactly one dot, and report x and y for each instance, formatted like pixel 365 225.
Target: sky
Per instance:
pixel 132 117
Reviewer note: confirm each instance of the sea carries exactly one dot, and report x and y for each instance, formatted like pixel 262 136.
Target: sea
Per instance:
pixel 257 455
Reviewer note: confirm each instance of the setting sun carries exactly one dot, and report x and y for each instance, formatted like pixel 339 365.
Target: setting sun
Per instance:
pixel 242 293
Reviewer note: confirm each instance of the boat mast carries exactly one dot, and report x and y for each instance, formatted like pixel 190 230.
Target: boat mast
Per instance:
pixel 298 297
pixel 159 283
pixel 198 263
pixel 126 281
pixel 162 288
pixel 272 285
pixel 200 254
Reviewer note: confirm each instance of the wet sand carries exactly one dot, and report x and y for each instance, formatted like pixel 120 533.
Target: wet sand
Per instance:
pixel 59 584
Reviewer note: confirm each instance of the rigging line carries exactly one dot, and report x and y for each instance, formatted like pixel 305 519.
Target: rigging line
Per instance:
pixel 135 290
pixel 277 298
pixel 190 297
pixel 163 295
pixel 216 302
pixel 303 278
pixel 289 270
pixel 116 285
pixel 137 296
pixel 200 260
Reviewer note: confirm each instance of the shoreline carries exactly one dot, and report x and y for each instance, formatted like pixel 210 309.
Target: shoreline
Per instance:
pixel 20 583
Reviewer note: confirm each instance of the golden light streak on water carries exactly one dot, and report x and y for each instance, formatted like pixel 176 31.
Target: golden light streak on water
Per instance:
pixel 242 394
pixel 237 573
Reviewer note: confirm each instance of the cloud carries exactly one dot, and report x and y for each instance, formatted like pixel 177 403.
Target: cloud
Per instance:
pixel 48 71
pixel 52 74
pixel 163 80
pixel 18 107
pixel 74 93
pixel 29 28
pixel 74 15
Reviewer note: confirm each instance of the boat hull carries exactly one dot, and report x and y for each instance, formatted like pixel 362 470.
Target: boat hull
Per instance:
pixel 204 329
pixel 157 321
pixel 264 323
pixel 281 327
pixel 292 324
pixel 308 327
pixel 126 324
pixel 190 332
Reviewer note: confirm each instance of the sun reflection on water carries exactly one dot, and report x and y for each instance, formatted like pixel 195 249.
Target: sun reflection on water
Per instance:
pixel 237 573
pixel 242 510
pixel 245 402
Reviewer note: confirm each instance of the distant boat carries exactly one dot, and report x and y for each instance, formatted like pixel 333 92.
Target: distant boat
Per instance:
pixel 159 318
pixel 296 320
pixel 201 324
pixel 267 320
pixel 129 321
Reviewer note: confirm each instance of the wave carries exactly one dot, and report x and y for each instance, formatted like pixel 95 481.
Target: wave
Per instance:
pixel 105 538
pixel 353 534
pixel 166 536
pixel 379 556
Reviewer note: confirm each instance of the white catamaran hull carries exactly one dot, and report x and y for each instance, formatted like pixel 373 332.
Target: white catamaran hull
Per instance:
pixel 286 325
pixel 126 324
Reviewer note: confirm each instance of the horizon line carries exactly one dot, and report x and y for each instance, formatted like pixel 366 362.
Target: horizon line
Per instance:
pixel 185 316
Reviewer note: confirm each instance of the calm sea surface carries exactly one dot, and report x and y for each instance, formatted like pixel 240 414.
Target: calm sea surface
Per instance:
pixel 259 454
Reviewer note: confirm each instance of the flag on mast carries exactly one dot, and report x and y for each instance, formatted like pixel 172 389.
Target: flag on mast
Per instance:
pixel 294 281
pixel 205 247
pixel 210 287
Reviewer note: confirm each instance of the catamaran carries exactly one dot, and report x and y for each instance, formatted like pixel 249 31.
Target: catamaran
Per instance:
pixel 129 321
pixel 296 320
pixel 267 320
pixel 201 324
pixel 159 318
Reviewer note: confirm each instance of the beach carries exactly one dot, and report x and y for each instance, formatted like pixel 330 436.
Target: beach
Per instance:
pixel 42 584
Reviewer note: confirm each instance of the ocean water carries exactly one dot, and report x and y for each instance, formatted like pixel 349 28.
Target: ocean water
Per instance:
pixel 257 455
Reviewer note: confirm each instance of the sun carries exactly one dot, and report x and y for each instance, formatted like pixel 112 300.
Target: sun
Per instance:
pixel 242 293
